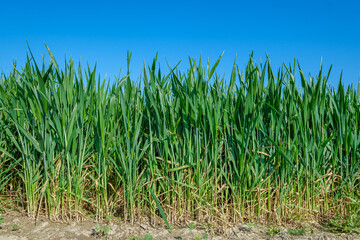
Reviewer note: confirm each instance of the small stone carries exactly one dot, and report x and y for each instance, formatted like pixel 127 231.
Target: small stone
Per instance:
pixel 143 226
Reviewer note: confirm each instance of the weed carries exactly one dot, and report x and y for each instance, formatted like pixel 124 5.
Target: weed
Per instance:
pixel 203 236
pixel 101 231
pixel 297 231
pixel 132 238
pixel 15 227
pixel 146 237
pixel 250 224
pixel 110 218
pixel 1 220
pixel 272 231
pixel 348 225
pixel 192 226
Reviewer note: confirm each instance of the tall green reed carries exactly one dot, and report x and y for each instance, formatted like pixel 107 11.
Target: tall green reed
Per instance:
pixel 257 145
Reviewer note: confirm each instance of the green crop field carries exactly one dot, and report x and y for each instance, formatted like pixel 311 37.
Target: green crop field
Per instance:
pixel 258 145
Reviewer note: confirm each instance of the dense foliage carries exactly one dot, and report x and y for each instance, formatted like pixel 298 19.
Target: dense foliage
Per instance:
pixel 182 145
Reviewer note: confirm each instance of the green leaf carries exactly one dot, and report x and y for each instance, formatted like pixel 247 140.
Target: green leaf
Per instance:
pixel 160 208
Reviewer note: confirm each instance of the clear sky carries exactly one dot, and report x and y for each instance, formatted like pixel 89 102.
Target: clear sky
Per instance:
pixel 103 31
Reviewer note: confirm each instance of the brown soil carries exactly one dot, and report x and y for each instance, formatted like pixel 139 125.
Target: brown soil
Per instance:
pixel 20 227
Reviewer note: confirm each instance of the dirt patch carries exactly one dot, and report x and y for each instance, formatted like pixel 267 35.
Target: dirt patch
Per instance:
pixel 18 227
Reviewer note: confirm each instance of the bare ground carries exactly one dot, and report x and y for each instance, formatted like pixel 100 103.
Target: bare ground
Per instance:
pixel 19 227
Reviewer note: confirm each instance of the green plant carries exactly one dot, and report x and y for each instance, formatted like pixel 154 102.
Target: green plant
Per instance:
pixel 15 227
pixel 101 230
pixel 147 237
pixel 344 225
pixel 250 224
pixel 192 226
pixel 255 144
pixel 204 236
pixel 110 218
pixel 350 223
pixel 1 220
pixel 132 238
pixel 297 231
pixel 273 230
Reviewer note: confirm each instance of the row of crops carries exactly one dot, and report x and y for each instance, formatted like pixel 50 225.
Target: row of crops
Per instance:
pixel 258 144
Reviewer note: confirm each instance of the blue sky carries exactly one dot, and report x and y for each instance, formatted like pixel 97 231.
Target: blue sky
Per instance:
pixel 103 31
